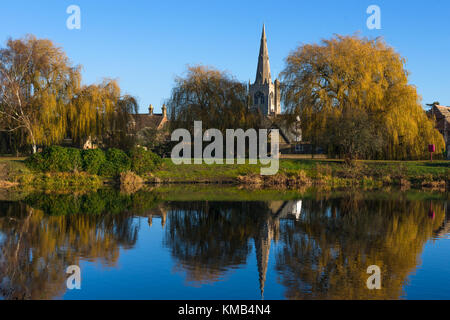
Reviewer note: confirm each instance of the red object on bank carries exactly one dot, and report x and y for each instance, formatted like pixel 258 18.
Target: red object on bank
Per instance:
pixel 431 149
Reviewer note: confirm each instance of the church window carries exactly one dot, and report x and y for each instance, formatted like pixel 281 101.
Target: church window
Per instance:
pixel 259 98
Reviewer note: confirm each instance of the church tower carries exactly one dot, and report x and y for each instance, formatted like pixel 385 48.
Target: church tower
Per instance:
pixel 264 93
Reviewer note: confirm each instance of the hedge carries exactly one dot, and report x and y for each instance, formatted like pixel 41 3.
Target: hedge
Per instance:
pixel 109 163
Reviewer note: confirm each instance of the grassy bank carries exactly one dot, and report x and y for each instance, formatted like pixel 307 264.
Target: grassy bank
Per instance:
pixel 322 172
pixel 14 173
pixel 292 173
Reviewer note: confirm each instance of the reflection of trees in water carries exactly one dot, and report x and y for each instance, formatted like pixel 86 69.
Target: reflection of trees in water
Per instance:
pixel 40 241
pixel 208 238
pixel 326 253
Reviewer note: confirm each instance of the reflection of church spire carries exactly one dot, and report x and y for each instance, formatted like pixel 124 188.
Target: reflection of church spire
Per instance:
pixel 262 248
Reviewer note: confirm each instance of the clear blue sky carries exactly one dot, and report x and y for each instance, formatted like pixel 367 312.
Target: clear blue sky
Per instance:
pixel 146 44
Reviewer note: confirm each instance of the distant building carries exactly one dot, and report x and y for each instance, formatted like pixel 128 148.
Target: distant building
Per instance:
pixel 441 115
pixel 150 120
pixel 265 94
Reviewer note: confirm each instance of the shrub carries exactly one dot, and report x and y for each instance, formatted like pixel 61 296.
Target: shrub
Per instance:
pixel 75 161
pixel 117 161
pixel 56 159
pixel 36 162
pixel 93 160
pixel 130 182
pixel 143 161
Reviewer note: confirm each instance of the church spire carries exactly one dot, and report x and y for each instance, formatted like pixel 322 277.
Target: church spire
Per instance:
pixel 263 71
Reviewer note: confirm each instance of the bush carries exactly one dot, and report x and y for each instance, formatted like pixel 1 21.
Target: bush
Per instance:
pixel 97 162
pixel 93 160
pixel 117 162
pixel 36 162
pixel 130 182
pixel 143 161
pixel 74 162
pixel 56 159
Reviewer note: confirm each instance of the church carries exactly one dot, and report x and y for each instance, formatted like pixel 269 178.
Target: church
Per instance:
pixel 265 97
pixel 265 94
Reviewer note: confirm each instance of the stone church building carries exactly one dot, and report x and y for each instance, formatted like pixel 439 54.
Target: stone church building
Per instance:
pixel 265 96
pixel 264 93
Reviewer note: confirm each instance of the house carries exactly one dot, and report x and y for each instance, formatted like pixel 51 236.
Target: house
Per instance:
pixel 150 120
pixel 151 130
pixel 441 114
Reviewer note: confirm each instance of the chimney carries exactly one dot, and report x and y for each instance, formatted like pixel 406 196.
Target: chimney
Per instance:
pixel 164 111
pixel 150 110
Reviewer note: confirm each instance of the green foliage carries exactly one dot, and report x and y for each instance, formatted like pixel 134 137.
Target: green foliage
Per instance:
pixel 62 181
pixel 143 161
pixel 75 161
pixel 56 159
pixel 93 160
pixel 36 162
pixel 104 201
pixel 117 161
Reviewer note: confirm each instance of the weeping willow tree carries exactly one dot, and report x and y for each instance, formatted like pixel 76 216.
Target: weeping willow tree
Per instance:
pixel 102 113
pixel 37 82
pixel 327 83
pixel 213 97
pixel 42 100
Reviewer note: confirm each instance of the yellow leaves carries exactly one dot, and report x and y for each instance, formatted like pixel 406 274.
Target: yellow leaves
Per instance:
pixel 50 101
pixel 348 72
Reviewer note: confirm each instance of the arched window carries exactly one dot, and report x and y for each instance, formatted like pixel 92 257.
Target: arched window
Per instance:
pixel 259 98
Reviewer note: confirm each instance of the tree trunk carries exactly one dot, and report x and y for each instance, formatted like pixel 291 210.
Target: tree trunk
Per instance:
pixel 33 141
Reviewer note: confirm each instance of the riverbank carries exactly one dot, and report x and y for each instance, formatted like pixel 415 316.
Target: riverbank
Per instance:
pixel 293 173
pixel 307 172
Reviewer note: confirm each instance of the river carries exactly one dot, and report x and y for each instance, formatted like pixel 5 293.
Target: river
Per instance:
pixel 167 244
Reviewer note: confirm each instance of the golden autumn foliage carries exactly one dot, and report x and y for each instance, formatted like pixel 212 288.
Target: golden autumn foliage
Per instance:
pixel 42 99
pixel 329 250
pixel 334 84
pixel 213 97
pixel 100 111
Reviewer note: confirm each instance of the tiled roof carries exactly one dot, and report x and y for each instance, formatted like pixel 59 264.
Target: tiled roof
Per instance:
pixel 152 121
pixel 442 115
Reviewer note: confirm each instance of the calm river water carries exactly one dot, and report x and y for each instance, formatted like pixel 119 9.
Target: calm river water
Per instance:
pixel 152 246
